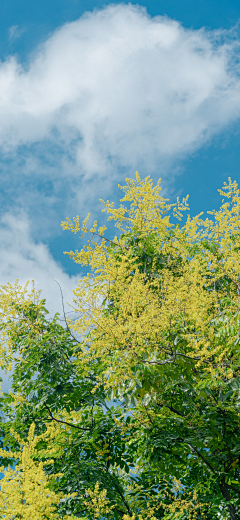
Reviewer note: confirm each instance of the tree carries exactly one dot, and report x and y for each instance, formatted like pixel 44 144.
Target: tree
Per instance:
pixel 158 322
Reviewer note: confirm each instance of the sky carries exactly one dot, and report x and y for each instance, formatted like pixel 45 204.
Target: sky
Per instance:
pixel 90 92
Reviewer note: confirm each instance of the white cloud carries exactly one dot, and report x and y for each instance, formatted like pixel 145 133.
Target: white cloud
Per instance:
pixel 118 88
pixel 23 258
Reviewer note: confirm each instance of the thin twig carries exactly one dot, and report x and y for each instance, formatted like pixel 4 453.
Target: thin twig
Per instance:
pixel 64 314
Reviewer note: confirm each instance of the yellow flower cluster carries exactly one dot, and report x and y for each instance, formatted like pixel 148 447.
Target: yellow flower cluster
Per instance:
pixel 25 490
pixel 98 505
pixel 148 308
pixel 13 300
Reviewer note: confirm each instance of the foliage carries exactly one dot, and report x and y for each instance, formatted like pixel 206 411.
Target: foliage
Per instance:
pixel 25 489
pixel 157 333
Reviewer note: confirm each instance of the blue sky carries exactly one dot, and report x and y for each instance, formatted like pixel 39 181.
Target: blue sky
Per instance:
pixel 92 92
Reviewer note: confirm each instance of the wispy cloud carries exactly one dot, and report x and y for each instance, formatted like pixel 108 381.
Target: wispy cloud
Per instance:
pixel 15 32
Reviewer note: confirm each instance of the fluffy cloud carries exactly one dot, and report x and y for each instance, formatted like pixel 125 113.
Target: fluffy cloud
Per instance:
pixel 119 89
pixel 22 257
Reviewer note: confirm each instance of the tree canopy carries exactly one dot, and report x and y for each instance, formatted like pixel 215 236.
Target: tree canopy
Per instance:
pixel 130 410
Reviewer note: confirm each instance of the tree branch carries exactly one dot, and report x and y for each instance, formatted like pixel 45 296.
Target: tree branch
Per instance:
pixel 202 457
pixel 120 493
pixel 65 422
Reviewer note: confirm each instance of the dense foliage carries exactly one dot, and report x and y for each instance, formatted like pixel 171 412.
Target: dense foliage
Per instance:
pixel 131 410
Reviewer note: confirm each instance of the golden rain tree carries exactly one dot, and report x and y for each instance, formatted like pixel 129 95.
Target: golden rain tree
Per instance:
pixel 157 332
